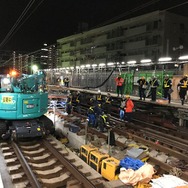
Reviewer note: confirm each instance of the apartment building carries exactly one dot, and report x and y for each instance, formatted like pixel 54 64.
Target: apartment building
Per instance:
pixel 152 35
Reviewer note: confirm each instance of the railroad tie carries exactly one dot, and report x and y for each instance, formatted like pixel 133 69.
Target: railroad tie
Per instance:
pixel 12 161
pixel 43 166
pixel 4 144
pixel 86 172
pixel 8 155
pixel 30 148
pixel 78 164
pixel 49 173
pixel 6 149
pixel 14 169
pixel 56 182
pixel 72 183
pixel 34 153
pixel 17 177
pixel 40 159
pixel 64 152
pixel 24 184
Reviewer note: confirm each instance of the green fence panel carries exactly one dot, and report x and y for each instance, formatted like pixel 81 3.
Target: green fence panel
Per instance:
pixel 128 83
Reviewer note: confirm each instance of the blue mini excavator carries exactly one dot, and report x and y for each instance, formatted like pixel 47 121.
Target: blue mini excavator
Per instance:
pixel 23 103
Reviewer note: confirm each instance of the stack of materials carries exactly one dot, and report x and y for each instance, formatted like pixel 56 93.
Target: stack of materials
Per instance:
pixel 168 181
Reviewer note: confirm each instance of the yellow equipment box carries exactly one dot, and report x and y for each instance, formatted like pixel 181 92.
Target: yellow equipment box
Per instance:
pixel 85 151
pixel 95 159
pixel 109 168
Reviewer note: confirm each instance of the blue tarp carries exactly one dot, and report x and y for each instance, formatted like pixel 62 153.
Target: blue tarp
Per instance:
pixel 130 163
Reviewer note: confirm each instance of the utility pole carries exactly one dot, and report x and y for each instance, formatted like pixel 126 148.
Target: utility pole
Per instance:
pixel 14 59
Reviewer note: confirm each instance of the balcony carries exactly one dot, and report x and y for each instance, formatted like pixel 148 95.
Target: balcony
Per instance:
pixel 134 45
pixel 135 31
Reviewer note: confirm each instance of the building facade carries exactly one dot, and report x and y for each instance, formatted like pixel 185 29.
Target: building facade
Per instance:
pixel 152 35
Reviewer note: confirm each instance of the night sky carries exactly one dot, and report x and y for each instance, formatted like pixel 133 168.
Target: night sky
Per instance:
pixel 53 19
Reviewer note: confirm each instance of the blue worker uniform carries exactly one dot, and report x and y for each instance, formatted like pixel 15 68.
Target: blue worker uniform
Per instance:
pixel 91 116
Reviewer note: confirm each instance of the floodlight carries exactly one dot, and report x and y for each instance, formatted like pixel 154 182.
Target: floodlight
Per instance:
pixel 145 61
pixel 131 62
pixel 165 59
pixel 185 57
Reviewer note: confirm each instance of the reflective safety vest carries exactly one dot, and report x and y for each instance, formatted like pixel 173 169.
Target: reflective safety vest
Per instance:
pixel 77 99
pixel 104 118
pixel 108 100
pixel 99 97
pixel 154 83
pixel 166 83
pixel 91 110
pixel 184 84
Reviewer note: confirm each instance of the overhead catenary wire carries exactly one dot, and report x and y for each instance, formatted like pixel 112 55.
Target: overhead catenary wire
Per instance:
pixel 28 16
pixel 128 13
pixel 117 17
pixel 18 23
pixel 175 6
pixel 114 19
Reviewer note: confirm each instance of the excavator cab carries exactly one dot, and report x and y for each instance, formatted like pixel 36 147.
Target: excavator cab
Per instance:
pixel 23 105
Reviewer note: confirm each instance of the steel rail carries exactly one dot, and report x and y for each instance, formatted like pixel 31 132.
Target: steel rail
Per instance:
pixel 70 167
pixel 168 141
pixel 28 171
pixel 173 137
pixel 178 132
pixel 159 147
pixel 178 143
pixel 173 132
pixel 142 140
pixel 168 168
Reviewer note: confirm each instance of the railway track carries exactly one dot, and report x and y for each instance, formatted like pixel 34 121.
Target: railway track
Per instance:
pixel 139 124
pixel 170 142
pixel 176 132
pixel 164 148
pixel 46 163
pixel 154 121
pixel 174 139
